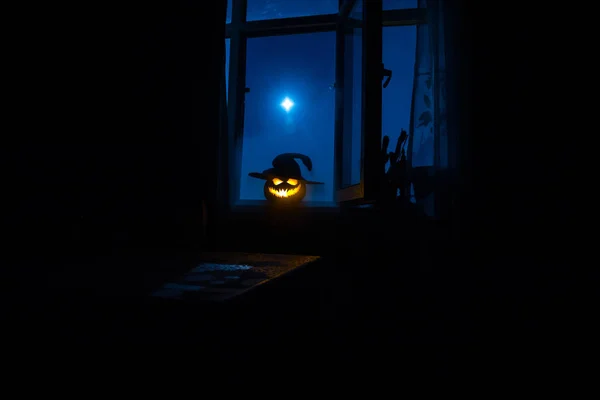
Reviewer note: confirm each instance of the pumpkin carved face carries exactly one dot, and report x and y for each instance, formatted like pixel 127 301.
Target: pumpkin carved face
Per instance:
pixel 282 189
pixel 284 183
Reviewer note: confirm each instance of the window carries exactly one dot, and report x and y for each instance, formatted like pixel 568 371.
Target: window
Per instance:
pixel 309 83
pixel 275 9
pixel 228 18
pixel 290 108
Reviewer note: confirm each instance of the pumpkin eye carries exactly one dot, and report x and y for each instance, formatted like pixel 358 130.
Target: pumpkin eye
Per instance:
pixel 292 182
pixel 277 181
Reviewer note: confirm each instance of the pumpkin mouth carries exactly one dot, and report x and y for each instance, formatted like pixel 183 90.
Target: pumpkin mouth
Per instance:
pixel 282 193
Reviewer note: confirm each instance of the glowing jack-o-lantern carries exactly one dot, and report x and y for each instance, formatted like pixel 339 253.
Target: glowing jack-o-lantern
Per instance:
pixel 289 189
pixel 284 183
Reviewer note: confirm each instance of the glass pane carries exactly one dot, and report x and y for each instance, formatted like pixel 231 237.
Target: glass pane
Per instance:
pixel 227 44
pixel 352 137
pixel 399 44
pixel 273 9
pixel 399 4
pixel 228 18
pixel 290 108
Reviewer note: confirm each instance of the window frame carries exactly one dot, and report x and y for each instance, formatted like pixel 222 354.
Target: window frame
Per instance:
pixel 239 30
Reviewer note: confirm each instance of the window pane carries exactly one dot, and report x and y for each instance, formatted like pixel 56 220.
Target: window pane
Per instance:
pixel 352 139
pixel 400 4
pixel 227 44
pixel 229 5
pixel 399 44
pixel 272 9
pixel 300 68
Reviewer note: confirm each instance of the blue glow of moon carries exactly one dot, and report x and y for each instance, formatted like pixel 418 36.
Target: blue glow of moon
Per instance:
pixel 287 104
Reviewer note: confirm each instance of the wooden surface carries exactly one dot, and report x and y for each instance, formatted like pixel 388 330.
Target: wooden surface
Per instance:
pixel 222 276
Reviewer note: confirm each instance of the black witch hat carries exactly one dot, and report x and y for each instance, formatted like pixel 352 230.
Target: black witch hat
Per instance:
pixel 286 166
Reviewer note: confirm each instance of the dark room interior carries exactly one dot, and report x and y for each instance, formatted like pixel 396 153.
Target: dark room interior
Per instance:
pixel 431 240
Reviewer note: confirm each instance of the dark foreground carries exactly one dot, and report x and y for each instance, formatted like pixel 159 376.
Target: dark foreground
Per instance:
pixel 352 314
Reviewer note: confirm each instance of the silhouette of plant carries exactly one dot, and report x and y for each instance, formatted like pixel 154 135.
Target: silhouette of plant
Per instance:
pixel 396 177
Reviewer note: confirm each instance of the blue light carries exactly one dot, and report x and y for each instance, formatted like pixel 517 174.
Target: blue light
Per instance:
pixel 287 104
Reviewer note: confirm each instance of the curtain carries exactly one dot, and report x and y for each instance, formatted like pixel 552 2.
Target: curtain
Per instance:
pixel 428 130
pixel 428 137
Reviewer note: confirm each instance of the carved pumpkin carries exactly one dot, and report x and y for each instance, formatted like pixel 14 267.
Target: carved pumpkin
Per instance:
pixel 284 183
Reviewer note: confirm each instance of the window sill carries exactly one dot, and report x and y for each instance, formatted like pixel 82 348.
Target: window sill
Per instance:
pixel 260 206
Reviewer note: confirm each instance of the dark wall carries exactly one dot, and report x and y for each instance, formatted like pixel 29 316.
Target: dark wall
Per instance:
pixel 518 163
pixel 120 137
pixel 515 212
